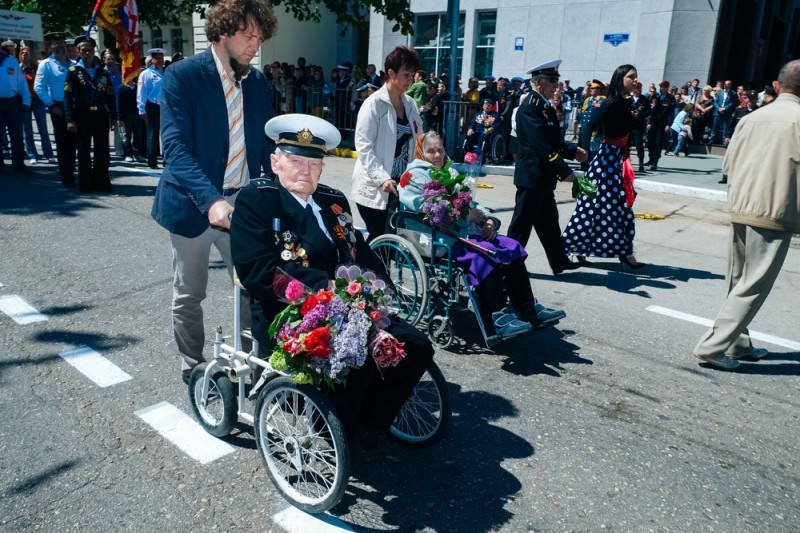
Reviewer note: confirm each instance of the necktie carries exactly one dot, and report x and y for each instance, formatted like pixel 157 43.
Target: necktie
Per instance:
pixel 236 169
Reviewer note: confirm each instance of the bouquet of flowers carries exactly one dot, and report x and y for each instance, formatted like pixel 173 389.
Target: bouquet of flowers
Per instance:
pixel 321 336
pixel 446 199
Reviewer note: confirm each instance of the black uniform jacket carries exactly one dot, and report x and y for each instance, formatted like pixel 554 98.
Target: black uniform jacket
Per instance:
pixel 269 221
pixel 541 150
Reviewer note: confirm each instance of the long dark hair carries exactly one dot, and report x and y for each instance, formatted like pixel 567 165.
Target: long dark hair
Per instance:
pixel 615 87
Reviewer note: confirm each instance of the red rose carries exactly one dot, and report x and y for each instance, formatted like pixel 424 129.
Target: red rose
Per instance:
pixel 310 303
pixel 405 178
pixel 317 341
pixel 325 296
pixel 375 316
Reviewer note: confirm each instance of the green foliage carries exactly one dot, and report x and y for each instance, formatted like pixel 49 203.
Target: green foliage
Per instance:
pixel 74 16
pixel 583 186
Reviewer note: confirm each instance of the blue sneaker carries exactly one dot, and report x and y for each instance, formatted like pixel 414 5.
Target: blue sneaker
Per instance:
pixel 538 315
pixel 508 324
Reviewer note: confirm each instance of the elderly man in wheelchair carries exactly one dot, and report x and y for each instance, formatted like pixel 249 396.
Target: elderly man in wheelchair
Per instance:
pixel 484 135
pixel 494 264
pixel 294 228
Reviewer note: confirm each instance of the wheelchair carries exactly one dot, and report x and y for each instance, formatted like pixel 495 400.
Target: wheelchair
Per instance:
pixel 492 150
pixel 429 284
pixel 297 431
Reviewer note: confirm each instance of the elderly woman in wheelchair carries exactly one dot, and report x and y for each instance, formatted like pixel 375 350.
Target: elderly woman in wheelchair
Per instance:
pixel 495 268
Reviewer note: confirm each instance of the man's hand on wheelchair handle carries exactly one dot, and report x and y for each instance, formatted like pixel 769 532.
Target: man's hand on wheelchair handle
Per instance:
pixel 219 214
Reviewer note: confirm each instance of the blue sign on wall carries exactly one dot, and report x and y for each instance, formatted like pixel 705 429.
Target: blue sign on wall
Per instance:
pixel 519 43
pixel 616 38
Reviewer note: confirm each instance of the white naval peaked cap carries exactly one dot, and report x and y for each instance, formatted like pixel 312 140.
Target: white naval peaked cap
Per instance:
pixel 550 68
pixel 156 51
pixel 303 135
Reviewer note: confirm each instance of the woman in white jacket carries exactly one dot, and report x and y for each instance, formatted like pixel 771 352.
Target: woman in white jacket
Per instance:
pixel 386 129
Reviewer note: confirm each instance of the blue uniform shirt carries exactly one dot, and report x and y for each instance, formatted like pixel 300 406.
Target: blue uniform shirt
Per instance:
pixel 50 78
pixel 149 88
pixel 12 80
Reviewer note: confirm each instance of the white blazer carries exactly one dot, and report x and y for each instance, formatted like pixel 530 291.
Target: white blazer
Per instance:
pixel 375 140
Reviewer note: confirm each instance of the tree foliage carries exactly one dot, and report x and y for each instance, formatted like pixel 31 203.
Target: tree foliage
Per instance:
pixel 73 16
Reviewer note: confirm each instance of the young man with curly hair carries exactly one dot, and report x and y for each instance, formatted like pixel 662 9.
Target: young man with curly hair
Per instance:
pixel 212 92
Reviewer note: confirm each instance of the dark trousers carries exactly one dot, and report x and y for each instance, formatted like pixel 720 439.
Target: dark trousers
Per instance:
pixel 375 220
pixel 506 282
pixel 374 400
pixel 11 118
pixel 638 141
pixel 535 208
pixel 66 144
pixel 655 143
pixel 153 133
pixel 134 142
pixel 93 127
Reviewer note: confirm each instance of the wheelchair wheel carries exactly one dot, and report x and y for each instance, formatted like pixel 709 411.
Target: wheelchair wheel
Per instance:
pixel 409 274
pixel 497 149
pixel 424 417
pixel 219 414
pixel 440 331
pixel 303 444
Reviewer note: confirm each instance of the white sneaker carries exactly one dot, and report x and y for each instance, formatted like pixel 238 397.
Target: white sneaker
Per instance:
pixel 33 161
pixel 52 160
pixel 128 159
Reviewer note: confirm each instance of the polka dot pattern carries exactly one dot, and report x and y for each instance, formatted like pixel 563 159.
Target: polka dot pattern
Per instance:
pixel 603 226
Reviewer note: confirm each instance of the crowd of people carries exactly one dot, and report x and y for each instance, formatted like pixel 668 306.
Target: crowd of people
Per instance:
pixel 86 98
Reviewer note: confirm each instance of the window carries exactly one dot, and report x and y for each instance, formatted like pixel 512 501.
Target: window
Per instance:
pixel 176 37
pixel 158 40
pixel 432 42
pixel 485 26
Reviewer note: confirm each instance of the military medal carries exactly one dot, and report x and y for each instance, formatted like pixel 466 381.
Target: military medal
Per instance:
pixel 276 227
pixel 286 255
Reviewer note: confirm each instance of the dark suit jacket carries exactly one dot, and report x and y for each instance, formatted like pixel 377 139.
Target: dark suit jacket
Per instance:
pixel 194 119
pixel 541 150
pixel 731 102
pixel 257 254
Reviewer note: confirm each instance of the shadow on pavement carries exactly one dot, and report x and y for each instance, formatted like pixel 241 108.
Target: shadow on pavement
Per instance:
pixel 31 484
pixel 98 341
pixel 458 484
pixel 619 278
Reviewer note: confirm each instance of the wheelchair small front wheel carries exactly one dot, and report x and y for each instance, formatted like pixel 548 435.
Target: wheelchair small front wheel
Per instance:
pixel 303 444
pixel 440 331
pixel 217 412
pixel 426 414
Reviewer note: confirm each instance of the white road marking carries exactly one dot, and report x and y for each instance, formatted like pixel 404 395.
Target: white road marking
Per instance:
pixel 19 310
pixel 95 367
pixel 683 190
pixel 182 431
pixel 143 171
pixel 708 323
pixel 293 520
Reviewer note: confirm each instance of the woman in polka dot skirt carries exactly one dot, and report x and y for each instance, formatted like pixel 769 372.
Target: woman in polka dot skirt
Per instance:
pixel 604 226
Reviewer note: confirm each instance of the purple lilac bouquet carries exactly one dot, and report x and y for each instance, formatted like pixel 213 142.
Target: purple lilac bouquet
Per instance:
pixel 321 336
pixel 446 199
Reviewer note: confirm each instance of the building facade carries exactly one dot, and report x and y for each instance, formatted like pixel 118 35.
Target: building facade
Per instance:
pixel 676 40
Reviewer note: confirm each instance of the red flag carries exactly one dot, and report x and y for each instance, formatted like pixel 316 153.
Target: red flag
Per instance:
pixel 121 17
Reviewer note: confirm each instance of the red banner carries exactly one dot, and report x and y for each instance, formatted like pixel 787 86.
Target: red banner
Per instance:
pixel 121 17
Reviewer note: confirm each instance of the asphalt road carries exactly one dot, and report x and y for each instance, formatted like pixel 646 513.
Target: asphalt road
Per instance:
pixel 604 423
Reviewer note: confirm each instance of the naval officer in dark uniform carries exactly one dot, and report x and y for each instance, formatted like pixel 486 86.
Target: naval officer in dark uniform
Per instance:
pixel 89 104
pixel 540 167
pixel 306 229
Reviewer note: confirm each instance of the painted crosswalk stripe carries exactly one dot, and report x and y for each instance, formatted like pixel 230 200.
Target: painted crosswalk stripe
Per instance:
pixel 708 323
pixel 182 431
pixel 95 367
pixel 19 310
pixel 293 520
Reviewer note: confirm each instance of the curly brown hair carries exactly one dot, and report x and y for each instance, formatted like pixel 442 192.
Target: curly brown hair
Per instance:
pixel 227 17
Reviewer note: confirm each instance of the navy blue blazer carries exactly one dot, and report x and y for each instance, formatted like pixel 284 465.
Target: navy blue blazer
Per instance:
pixel 194 125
